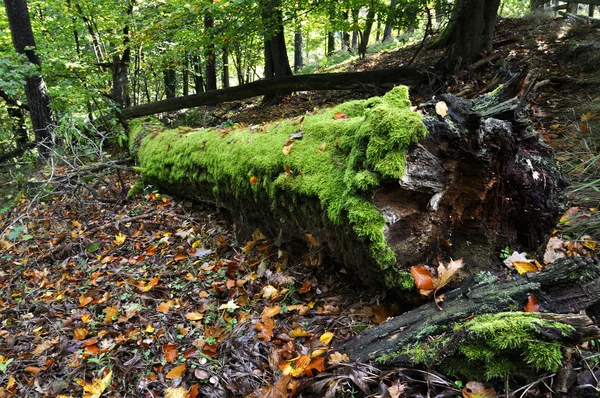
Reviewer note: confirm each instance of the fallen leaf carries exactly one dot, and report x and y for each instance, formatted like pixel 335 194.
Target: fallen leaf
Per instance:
pixel 300 333
pixel 265 328
pixel 337 357
pixel 287 148
pixel 80 333
pixel 170 351
pixel 269 292
pixel 194 316
pixel 231 305
pixel 441 109
pixel 120 238
pixel 165 307
pixel 445 273
pixel 326 338
pixel 176 372
pixel 179 392
pixel 33 370
pixel 423 280
pixel 322 148
pixel 97 387
pixel 311 239
pixel 516 256
pixel 475 389
pixel 523 267
pixel 396 390
pixel 340 115
pixel 271 311
pixel 253 180
pixel 532 304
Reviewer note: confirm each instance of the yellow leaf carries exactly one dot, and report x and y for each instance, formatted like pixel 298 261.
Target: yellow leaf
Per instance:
pixel 326 338
pixel 445 273
pixel 287 149
pixel 97 386
pixel 322 148
pixel 300 333
pixel 120 238
pixel 110 312
pixel 176 372
pixel 179 392
pixel 253 180
pixel 318 353
pixel 80 333
pixel 193 316
pixel 441 109
pixel 524 266
pixel 269 292
pixel 231 305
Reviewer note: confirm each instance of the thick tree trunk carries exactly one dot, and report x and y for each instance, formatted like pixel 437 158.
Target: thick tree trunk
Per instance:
pixel 387 32
pixel 35 87
pixel 276 59
pixel 479 181
pixel 470 31
pixel 355 14
pixel 384 78
pixel 563 290
pixel 573 8
pixel 330 43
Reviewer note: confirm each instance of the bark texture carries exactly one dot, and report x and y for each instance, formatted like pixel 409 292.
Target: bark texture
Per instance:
pixel 35 87
pixel 481 179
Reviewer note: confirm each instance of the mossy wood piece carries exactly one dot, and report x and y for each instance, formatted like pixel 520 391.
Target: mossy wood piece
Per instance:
pixel 475 335
pixel 380 186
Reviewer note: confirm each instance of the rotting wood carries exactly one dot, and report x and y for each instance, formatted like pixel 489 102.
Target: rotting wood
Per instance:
pixel 563 289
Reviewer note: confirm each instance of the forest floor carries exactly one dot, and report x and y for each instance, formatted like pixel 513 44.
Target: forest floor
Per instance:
pixel 152 296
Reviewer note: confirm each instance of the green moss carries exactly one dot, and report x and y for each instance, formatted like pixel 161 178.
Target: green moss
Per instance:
pixel 491 346
pixel 337 160
pixel 135 189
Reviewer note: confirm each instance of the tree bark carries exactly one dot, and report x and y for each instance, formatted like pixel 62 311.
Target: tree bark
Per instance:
pixel 211 64
pixel 120 68
pixel 298 60
pixel 35 87
pixel 573 8
pixel 387 32
pixel 366 34
pixel 170 79
pixel 186 75
pixel 225 67
pixel 470 30
pixel 198 80
pixel 355 14
pixel 385 78
pixel 276 59
pixel 479 181
pixel 566 287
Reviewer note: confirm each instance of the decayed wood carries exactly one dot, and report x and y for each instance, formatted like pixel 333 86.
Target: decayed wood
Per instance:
pixel 385 78
pixel 482 179
pixel 565 288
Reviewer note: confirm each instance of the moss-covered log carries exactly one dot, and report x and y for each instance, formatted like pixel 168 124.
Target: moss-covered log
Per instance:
pixel 475 336
pixel 379 186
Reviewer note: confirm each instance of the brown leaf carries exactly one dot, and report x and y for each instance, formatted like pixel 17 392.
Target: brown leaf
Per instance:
pixel 80 333
pixel 532 304
pixel 287 148
pixel 445 273
pixel 165 307
pixel 33 370
pixel 253 180
pixel 340 115
pixel 423 280
pixel 170 351
pixel 441 109
pixel 265 328
pixel 176 372
pixel 337 357
pixel 297 122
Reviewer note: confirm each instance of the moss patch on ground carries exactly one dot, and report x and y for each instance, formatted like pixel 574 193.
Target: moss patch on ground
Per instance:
pixel 338 156
pixel 492 346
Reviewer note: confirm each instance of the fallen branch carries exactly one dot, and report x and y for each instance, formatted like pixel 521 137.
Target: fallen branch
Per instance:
pixel 326 81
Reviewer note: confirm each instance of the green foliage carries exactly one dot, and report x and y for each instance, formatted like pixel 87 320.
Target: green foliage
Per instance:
pixel 337 160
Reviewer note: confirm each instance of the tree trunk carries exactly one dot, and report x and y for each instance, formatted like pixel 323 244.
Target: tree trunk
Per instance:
pixel 298 61
pixel 355 14
pixel 572 8
pixel 378 29
pixel 330 43
pixel 186 75
pixel 35 87
pixel 277 63
pixel 211 62
pixel 591 11
pixel 170 78
pixel 387 32
pixel 479 181
pixel 120 68
pixel 366 34
pixel 198 80
pixel 471 29
pixel 345 34
pixel 225 67
pixel 563 290
pixel 359 81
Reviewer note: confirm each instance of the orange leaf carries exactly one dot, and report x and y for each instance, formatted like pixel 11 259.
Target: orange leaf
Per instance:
pixel 270 312
pixel 170 351
pixel 253 180
pixel 176 372
pixel 33 370
pixel 193 392
pixel 340 115
pixel 91 350
pixel 265 328
pixel 165 307
pixel 317 364
pixel 85 300
pixel 80 334
pixel 532 304
pixel 193 316
pixel 422 277
pixel 180 257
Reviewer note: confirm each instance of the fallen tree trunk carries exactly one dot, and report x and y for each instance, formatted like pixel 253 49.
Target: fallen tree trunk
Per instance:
pixel 371 183
pixel 384 78
pixel 474 335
